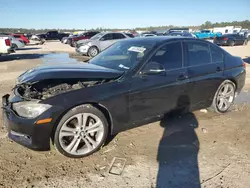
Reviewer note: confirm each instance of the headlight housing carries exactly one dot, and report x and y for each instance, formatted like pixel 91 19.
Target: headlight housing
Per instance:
pixel 30 109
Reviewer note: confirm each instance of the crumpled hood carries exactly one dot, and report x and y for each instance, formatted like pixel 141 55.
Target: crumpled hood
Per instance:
pixel 64 71
pixel 83 41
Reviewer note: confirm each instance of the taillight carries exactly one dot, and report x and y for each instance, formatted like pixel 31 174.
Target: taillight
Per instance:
pixel 225 38
pixel 7 42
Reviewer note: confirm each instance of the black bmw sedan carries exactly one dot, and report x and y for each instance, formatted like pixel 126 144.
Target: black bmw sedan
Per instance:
pixel 131 83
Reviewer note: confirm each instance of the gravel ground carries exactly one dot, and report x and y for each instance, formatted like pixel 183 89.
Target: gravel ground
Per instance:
pixel 194 150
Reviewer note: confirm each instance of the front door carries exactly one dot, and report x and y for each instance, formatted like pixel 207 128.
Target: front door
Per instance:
pixel 106 41
pixel 157 94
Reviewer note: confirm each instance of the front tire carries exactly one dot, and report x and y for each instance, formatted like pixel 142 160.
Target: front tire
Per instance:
pixel 224 97
pixel 93 51
pixel 81 132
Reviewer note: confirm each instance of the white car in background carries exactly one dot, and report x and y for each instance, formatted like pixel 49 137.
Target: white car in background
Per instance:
pixel 5 45
pixel 16 43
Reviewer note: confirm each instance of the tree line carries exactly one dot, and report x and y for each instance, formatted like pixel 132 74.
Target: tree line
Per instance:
pixel 206 25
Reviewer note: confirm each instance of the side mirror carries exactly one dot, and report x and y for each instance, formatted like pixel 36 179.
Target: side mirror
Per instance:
pixel 153 68
pixel 102 39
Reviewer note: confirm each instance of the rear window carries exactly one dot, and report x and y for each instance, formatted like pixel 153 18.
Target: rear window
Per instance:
pixel 217 55
pixel 198 53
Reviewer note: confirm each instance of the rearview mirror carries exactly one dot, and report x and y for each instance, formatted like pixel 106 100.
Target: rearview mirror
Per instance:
pixel 153 68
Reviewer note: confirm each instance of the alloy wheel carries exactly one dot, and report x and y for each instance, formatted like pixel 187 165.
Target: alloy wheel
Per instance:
pixel 81 134
pixel 225 97
pixel 93 52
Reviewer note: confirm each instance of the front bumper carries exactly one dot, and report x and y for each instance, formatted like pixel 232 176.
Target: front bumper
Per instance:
pixel 83 50
pixel 25 131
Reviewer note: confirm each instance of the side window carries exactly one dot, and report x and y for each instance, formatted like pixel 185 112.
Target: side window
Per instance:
pixel 108 37
pixel 170 55
pixel 198 53
pixel 118 36
pixel 217 55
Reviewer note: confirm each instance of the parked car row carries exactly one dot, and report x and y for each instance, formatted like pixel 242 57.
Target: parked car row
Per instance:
pixel 92 42
pixel 11 42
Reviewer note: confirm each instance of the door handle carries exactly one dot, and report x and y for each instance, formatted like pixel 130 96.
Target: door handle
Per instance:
pixel 218 69
pixel 182 77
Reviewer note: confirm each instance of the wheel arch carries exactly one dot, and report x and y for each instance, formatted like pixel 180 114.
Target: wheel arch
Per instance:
pixel 97 105
pixel 95 47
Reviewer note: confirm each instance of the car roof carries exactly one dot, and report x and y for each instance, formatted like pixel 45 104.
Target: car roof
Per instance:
pixel 159 40
pixel 111 32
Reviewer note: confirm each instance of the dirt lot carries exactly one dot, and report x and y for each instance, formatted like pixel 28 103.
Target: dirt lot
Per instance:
pixel 191 151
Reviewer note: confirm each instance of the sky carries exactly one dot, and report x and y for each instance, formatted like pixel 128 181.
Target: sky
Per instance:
pixel 87 14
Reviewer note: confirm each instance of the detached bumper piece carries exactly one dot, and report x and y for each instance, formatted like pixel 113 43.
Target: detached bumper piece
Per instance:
pixel 25 131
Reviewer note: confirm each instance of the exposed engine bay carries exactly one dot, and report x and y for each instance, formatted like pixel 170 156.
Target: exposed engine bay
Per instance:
pixel 48 88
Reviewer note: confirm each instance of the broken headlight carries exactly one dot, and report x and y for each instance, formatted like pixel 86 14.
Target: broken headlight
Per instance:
pixel 30 109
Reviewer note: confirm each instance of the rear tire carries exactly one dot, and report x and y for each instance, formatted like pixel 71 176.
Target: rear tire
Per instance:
pixel 224 97
pixel 82 131
pixel 232 43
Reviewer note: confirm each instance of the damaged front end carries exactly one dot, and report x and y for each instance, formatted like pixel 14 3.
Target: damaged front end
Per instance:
pixel 47 81
pixel 44 89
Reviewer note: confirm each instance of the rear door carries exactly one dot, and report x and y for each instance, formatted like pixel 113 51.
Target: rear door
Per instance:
pixel 153 95
pixel 205 72
pixel 239 39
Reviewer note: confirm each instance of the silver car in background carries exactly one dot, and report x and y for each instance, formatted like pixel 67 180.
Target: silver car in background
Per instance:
pixel 98 43
pixel 15 43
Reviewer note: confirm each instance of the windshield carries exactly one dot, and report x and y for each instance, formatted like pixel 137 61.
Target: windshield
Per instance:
pixel 123 55
pixel 97 36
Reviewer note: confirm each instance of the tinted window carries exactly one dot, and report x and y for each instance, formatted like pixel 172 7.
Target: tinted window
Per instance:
pixel 130 35
pixel 198 53
pixel 108 37
pixel 118 36
pixel 170 55
pixel 217 55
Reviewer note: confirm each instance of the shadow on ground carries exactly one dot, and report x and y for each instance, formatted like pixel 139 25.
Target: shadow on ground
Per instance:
pixel 178 149
pixel 12 57
pixel 23 49
pixel 177 153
